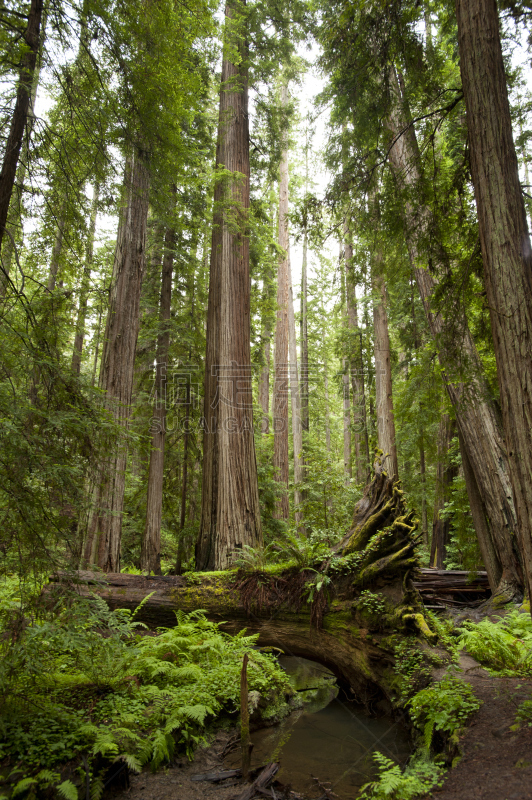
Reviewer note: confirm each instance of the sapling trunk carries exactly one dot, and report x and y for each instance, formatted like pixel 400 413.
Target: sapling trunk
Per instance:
pixel 245 740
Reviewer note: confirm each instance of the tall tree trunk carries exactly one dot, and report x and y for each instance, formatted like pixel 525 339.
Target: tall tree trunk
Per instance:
pixel 20 112
pixel 303 337
pixel 505 243
pixel 356 367
pixel 85 285
pixel 97 347
pixel 383 366
pixel 230 505
pixel 264 378
pixel 150 554
pixel 445 474
pixel 280 393
pixel 56 252
pixel 14 216
pixel 423 481
pixel 476 416
pixel 488 550
pixel 346 399
pixel 118 363
pixel 327 406
pixel 267 329
pixel 297 430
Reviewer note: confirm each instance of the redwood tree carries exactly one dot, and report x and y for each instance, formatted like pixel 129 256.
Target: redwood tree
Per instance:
pixel 150 555
pixel 280 389
pixel 19 117
pixel 118 361
pixel 230 501
pixel 505 243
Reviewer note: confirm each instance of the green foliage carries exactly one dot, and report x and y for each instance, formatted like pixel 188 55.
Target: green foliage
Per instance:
pixel 102 687
pixel 304 550
pixel 444 707
pixel 318 583
pixel 448 636
pixel 524 713
pixel 373 608
pixel 505 646
pixel 412 667
pixel 419 777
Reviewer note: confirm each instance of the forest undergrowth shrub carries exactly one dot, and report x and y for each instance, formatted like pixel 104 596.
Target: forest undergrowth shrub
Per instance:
pixel 442 708
pixel 104 691
pixel 412 667
pixel 419 777
pixel 504 647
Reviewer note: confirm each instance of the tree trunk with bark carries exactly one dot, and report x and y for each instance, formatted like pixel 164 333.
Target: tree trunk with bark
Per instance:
pixel 14 216
pixel 297 430
pixel 423 481
pixel 505 243
pixel 303 336
pixel 383 367
pixel 476 415
pixel 21 110
pixel 346 398
pixel 53 269
pixel 488 550
pixel 150 554
pixel 230 504
pixel 356 368
pixel 268 295
pixel 85 285
pixel 445 474
pixel 118 363
pixel 280 393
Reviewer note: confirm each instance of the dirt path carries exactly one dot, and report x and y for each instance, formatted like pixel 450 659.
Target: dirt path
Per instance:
pixel 496 762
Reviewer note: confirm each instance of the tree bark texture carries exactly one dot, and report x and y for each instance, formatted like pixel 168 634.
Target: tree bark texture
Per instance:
pixel 118 362
pixel 264 379
pixel 150 554
pixel 297 430
pixel 230 507
pixel 488 550
pixel 360 440
pixel 505 244
pixel 303 333
pixel 475 412
pixel 267 331
pixel 53 269
pixel 445 474
pixel 20 112
pixel 423 481
pixel 383 369
pixel 346 398
pixel 280 390
pixel 85 285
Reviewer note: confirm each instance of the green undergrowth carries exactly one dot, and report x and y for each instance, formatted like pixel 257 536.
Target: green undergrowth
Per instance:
pixel 504 647
pixel 84 687
pixel 439 713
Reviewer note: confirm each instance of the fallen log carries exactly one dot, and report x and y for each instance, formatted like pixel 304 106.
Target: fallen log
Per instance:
pixel 342 612
pixel 261 782
pixel 342 645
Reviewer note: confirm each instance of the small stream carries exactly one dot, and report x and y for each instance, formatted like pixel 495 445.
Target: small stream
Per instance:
pixel 330 738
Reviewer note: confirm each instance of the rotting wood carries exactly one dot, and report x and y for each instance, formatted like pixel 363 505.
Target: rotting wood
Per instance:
pixel 260 782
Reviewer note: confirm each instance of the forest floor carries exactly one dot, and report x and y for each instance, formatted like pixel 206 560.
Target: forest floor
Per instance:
pixel 497 761
pixel 176 782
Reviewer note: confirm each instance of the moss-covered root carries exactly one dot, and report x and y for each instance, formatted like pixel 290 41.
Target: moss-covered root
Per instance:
pixel 418 621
